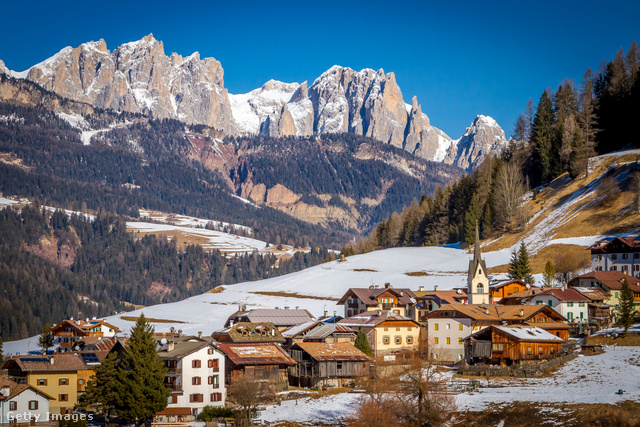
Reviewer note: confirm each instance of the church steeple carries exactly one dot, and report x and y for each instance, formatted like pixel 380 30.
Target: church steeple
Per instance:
pixel 477 280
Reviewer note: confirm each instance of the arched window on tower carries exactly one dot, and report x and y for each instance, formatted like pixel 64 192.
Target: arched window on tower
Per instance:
pixel 480 288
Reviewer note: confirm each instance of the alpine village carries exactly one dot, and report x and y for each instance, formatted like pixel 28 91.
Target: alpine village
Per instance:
pixel 312 254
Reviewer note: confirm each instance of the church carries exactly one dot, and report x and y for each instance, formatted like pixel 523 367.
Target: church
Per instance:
pixel 477 280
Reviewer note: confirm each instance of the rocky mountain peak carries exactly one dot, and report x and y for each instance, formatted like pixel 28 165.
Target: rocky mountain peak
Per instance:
pixel 483 137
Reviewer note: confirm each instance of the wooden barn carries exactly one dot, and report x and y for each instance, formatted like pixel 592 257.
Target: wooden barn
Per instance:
pixel 326 364
pixel 506 345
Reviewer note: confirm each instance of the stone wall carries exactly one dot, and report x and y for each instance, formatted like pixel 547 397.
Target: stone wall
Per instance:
pixel 529 370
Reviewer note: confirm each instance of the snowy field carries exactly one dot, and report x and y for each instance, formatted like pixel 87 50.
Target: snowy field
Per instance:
pixel 584 380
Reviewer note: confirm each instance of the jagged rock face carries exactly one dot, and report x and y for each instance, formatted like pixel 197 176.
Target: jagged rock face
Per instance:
pixel 3 68
pixel 366 103
pixel 483 137
pixel 139 77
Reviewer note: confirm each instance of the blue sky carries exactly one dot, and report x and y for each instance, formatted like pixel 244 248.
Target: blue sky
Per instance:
pixel 459 58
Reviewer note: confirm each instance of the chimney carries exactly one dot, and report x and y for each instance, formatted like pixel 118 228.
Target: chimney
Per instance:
pixel 325 313
pixel 387 285
pixel 371 287
pixel 379 312
pixel 335 313
pixel 487 311
pixel 401 293
pixel 94 318
pixel 199 334
pixel 522 312
pixel 435 288
pixel 179 332
pixel 297 307
pixel 86 320
pixel 421 288
pixel 51 361
pixel 171 346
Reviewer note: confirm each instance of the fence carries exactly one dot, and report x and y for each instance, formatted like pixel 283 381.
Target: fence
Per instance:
pixel 529 370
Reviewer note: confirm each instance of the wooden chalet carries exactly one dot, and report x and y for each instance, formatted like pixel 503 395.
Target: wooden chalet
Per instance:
pixel 396 300
pixel 68 333
pixel 329 365
pixel 266 362
pixel 507 345
pixel 502 290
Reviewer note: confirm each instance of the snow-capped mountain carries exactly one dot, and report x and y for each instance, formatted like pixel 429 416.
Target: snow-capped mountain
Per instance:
pixel 483 137
pixel 138 77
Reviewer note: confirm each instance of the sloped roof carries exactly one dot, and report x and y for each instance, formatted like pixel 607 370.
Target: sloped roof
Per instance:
pixel 174 411
pixel 256 354
pixel 528 333
pixel 279 317
pixel 325 330
pixel 15 389
pixel 182 348
pixel 594 293
pixel 568 295
pixel 601 245
pixel 611 279
pixel 369 295
pixel 501 284
pixel 523 294
pixel 373 319
pixel 450 297
pixel 61 362
pixel 494 312
pixel 332 351
pixel 301 328
pixel 249 332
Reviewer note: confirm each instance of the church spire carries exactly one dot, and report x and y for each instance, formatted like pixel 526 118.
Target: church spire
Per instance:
pixel 476 249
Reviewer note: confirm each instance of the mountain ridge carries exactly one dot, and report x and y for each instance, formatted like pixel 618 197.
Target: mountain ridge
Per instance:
pixel 139 77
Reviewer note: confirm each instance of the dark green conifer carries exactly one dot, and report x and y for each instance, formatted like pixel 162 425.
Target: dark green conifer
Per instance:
pixel 362 343
pixel 627 311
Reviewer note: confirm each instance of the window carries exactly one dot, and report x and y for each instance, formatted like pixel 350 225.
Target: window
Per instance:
pixel 459 340
pixel 63 397
pixel 196 364
pixel 13 406
pixel 570 316
pixel 550 303
pixel 617 294
pixel 448 340
pixel 80 381
pixel 409 339
pixel 614 256
pixel 386 329
pixel 498 347
pixel 625 268
pixel 435 326
pixel 539 302
pixel 448 326
pixel 409 329
pixel 385 340
pixel 529 351
pixel 213 380
pixel 172 399
pixel 42 381
pixel 348 313
pixel 614 268
pixel 540 350
pixel 196 397
pixel 636 267
pixel 580 304
pixel 570 304
pixel 460 326
pixel 397 329
pixel 196 381
pixel 216 397
pixel 435 341
pixel 213 363
pixel 581 315
pixel 210 350
pixel 63 381
pixel 398 340
pixel 551 350
pixel 475 328
pixel 33 405
pixel 636 255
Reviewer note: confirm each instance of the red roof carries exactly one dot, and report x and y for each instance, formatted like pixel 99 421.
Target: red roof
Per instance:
pixel 565 295
pixel 369 296
pixel 611 279
pixel 175 411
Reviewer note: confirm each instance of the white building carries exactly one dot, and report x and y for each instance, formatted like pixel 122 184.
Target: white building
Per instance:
pixel 22 403
pixel 617 254
pixel 571 304
pixel 195 373
pixel 477 278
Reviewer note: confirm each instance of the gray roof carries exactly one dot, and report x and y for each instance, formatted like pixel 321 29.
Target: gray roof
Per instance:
pixel 279 317
pixel 326 330
pixel 182 348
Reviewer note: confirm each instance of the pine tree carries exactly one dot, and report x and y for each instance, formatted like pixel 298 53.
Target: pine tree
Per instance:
pixel 104 388
pixel 362 343
pixel 519 267
pixel 46 339
pixel 542 134
pixel 1 356
pixel 626 312
pixel 549 274
pixel 141 392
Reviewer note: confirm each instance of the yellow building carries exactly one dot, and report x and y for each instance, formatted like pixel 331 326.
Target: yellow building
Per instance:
pixel 387 332
pixel 56 375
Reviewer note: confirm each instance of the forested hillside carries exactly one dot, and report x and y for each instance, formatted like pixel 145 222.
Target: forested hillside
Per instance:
pixel 556 136
pixel 56 266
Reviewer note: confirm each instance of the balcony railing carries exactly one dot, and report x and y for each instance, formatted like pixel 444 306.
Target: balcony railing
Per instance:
pixel 174 371
pixel 353 305
pixel 387 307
pixel 174 387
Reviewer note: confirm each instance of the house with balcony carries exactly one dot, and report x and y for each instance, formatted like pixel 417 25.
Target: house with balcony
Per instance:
pixel 611 283
pixel 55 375
pixel 249 332
pixel 326 365
pixel 71 333
pixel 617 254
pixel 387 298
pixel 504 289
pixel 195 373
pixel 429 301
pixel 448 326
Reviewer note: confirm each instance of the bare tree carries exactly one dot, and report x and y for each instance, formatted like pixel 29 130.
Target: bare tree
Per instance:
pixel 608 191
pixel 635 188
pixel 247 394
pixel 509 189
